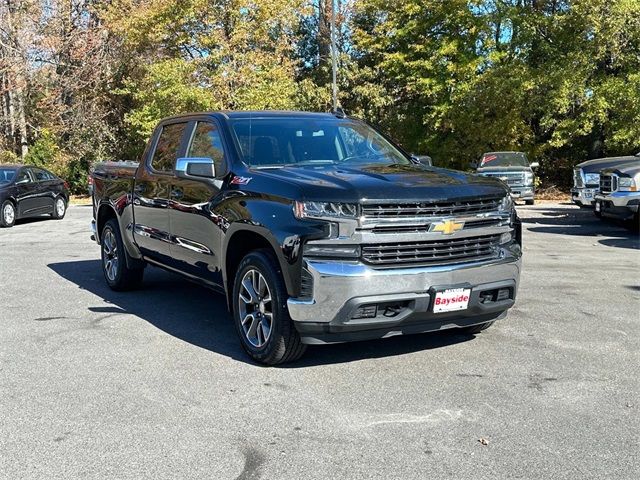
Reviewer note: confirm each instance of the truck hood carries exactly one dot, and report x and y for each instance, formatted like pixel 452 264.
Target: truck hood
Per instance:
pixel 630 169
pixel 381 182
pixel 516 168
pixel 594 166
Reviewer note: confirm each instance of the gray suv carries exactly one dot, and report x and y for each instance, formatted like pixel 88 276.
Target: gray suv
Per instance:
pixel 514 169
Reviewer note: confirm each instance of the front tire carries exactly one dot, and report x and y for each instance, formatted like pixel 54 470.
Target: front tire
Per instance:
pixel 529 202
pixel 260 311
pixel 117 273
pixel 7 214
pixel 59 208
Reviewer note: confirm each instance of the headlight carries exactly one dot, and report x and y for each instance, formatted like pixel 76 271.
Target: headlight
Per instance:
pixel 321 210
pixel 592 178
pixel 626 184
pixel 528 178
pixel 507 204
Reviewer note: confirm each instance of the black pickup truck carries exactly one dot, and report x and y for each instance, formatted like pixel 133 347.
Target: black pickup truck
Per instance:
pixel 315 226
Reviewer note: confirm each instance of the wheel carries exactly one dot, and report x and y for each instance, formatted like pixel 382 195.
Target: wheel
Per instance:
pixel 8 214
pixel 475 329
pixel 59 208
pixel 260 311
pixel 117 273
pixel 529 202
pixel 597 213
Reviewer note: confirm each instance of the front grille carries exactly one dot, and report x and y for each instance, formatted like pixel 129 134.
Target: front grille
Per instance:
pixel 387 211
pixel 433 253
pixel 608 183
pixel 511 179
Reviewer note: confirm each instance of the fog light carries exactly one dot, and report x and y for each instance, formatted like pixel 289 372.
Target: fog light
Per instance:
pixel 365 311
pixel 503 294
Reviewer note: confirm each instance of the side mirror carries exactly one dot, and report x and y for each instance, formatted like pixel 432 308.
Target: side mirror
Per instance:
pixel 534 164
pixel 473 165
pixel 196 167
pixel 423 159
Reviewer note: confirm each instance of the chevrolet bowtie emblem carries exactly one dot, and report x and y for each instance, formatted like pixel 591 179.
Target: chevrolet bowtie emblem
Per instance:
pixel 447 227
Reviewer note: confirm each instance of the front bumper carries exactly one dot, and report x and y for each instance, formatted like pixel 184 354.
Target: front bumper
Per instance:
pixel 584 196
pixel 522 192
pixel 622 205
pixel 341 288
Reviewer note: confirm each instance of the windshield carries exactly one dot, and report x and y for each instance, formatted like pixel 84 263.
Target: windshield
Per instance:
pixel 504 159
pixel 273 142
pixel 7 174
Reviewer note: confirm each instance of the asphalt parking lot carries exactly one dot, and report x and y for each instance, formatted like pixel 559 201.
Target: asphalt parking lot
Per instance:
pixel 153 383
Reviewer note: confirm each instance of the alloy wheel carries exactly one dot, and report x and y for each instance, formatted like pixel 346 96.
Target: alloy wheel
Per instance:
pixel 110 255
pixel 60 207
pixel 9 214
pixel 255 308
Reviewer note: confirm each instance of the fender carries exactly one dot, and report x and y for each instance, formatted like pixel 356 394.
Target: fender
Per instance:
pixel 123 212
pixel 273 220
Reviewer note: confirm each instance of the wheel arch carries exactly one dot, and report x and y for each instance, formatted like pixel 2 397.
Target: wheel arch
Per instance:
pixel 242 241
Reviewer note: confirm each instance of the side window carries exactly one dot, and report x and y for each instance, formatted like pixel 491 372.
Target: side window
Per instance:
pixel 23 177
pixel 40 175
pixel 166 154
pixel 206 143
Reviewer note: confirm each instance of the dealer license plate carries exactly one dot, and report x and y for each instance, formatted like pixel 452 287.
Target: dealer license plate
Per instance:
pixel 451 300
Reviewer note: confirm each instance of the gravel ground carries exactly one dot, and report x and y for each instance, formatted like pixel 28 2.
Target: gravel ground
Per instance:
pixel 153 384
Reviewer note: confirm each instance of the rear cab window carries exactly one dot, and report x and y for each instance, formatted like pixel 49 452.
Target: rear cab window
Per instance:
pixel 167 147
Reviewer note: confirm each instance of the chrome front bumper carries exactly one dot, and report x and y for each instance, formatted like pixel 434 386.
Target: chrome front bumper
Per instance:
pixel 522 192
pixel 341 287
pixel 584 196
pixel 629 200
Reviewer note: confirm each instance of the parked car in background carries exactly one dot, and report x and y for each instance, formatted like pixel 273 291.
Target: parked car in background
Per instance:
pixel 586 178
pixel 315 226
pixel 619 195
pixel 514 169
pixel 29 192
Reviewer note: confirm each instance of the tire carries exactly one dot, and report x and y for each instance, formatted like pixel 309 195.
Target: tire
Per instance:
pixel 529 202
pixel 269 343
pixel 116 272
pixel 7 214
pixel 59 208
pixel 597 214
pixel 475 329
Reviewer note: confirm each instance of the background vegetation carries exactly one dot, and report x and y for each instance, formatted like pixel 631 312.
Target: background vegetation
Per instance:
pixel 86 80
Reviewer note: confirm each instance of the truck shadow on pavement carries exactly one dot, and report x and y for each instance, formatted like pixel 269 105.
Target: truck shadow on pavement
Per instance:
pixel 199 316
pixel 582 222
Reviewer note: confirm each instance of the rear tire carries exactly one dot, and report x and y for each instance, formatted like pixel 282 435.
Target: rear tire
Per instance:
pixel 117 273
pixel 7 214
pixel 260 311
pixel 59 208
pixel 475 329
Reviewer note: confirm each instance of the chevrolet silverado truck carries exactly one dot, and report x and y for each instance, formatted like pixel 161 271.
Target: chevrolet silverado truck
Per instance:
pixel 586 178
pixel 514 169
pixel 619 195
pixel 316 227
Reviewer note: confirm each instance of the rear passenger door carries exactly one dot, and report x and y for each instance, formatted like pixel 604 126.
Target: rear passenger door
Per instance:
pixel 46 183
pixel 195 229
pixel 151 192
pixel 26 193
